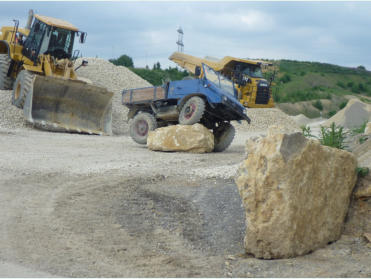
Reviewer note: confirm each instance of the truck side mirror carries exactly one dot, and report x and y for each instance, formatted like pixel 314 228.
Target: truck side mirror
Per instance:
pixel 197 71
pixel 83 37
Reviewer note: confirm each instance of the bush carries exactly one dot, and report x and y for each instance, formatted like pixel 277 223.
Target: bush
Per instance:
pixel 317 104
pixel 286 78
pixel 334 136
pixel 362 172
pixel 123 60
pixel 343 104
pixel 341 84
pixel 302 73
pixel 350 84
pixel 331 113
pixel 360 130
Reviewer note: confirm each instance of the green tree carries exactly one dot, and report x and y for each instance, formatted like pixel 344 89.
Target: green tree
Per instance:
pixel 123 60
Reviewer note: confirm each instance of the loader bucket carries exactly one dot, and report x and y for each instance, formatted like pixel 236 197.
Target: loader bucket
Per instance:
pixel 69 105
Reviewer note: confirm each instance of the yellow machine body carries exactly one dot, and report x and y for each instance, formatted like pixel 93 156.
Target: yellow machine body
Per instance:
pixel 56 99
pixel 247 93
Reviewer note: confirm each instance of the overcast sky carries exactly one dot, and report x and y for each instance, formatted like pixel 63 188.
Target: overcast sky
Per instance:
pixel 332 32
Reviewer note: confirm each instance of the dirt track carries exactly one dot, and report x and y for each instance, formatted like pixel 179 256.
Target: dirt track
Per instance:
pixel 90 206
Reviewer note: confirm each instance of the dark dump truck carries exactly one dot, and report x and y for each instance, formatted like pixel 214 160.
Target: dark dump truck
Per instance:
pixel 209 99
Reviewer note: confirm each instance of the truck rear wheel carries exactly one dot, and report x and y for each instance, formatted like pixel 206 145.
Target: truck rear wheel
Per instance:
pixel 192 111
pixel 22 85
pixel 5 81
pixel 223 136
pixel 141 124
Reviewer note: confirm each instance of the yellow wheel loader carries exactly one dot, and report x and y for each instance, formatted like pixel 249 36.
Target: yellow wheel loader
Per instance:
pixel 37 62
pixel 253 90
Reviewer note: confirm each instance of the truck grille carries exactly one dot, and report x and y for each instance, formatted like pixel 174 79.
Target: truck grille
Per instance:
pixel 262 95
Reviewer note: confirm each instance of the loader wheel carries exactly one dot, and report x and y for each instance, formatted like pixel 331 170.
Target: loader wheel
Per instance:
pixel 223 136
pixel 141 124
pixel 22 85
pixel 192 111
pixel 5 81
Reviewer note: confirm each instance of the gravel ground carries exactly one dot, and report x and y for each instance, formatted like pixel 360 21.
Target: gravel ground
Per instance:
pixel 97 206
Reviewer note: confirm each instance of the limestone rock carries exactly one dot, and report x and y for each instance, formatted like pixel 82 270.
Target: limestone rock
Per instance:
pixel 296 194
pixel 187 138
pixel 368 128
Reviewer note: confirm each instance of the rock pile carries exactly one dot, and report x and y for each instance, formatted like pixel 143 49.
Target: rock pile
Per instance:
pixel 187 138
pixel 115 79
pixel 296 194
pixel 262 118
pixel 11 117
pixel 352 116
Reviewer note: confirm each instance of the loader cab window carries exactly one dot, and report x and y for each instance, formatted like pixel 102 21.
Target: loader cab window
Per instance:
pixel 61 43
pixel 34 40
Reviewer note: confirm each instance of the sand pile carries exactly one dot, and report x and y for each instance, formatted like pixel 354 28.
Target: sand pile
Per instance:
pixel 352 116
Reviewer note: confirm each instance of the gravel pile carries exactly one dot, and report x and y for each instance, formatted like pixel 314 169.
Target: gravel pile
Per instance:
pixel 115 79
pixel 352 116
pixel 11 117
pixel 262 118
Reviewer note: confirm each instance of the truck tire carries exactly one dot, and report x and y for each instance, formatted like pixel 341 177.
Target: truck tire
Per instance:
pixel 141 124
pixel 192 111
pixel 5 81
pixel 223 136
pixel 22 85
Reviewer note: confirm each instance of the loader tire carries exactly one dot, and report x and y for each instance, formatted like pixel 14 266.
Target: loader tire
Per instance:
pixel 223 136
pixel 141 124
pixel 5 81
pixel 22 85
pixel 192 111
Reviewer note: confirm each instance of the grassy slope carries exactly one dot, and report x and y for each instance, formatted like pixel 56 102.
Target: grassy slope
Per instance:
pixel 300 84
pixel 303 81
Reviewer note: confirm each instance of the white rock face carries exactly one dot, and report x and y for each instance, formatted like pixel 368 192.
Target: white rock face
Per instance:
pixel 296 194
pixel 187 138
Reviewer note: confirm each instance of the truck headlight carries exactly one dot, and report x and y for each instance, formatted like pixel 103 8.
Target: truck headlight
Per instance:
pixel 225 98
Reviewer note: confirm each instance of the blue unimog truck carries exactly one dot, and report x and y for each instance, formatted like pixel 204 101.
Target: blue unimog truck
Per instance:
pixel 209 99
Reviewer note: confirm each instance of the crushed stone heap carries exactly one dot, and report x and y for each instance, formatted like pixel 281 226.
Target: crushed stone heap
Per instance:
pixel 263 118
pixel 115 78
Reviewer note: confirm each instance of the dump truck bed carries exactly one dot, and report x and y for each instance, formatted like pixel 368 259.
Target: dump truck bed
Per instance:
pixel 143 95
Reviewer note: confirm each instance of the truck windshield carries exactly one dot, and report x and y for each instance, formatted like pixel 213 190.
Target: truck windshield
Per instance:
pixel 253 71
pixel 218 80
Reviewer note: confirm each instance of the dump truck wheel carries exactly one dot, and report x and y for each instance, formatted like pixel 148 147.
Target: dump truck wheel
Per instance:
pixel 5 81
pixel 22 85
pixel 223 136
pixel 141 124
pixel 192 111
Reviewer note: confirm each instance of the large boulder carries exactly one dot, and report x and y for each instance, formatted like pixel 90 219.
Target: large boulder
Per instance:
pixel 295 192
pixel 187 138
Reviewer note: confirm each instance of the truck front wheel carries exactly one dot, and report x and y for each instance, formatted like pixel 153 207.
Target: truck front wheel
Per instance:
pixel 192 111
pixel 223 136
pixel 141 124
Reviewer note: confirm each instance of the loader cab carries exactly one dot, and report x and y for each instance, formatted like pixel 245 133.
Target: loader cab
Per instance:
pixel 49 36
